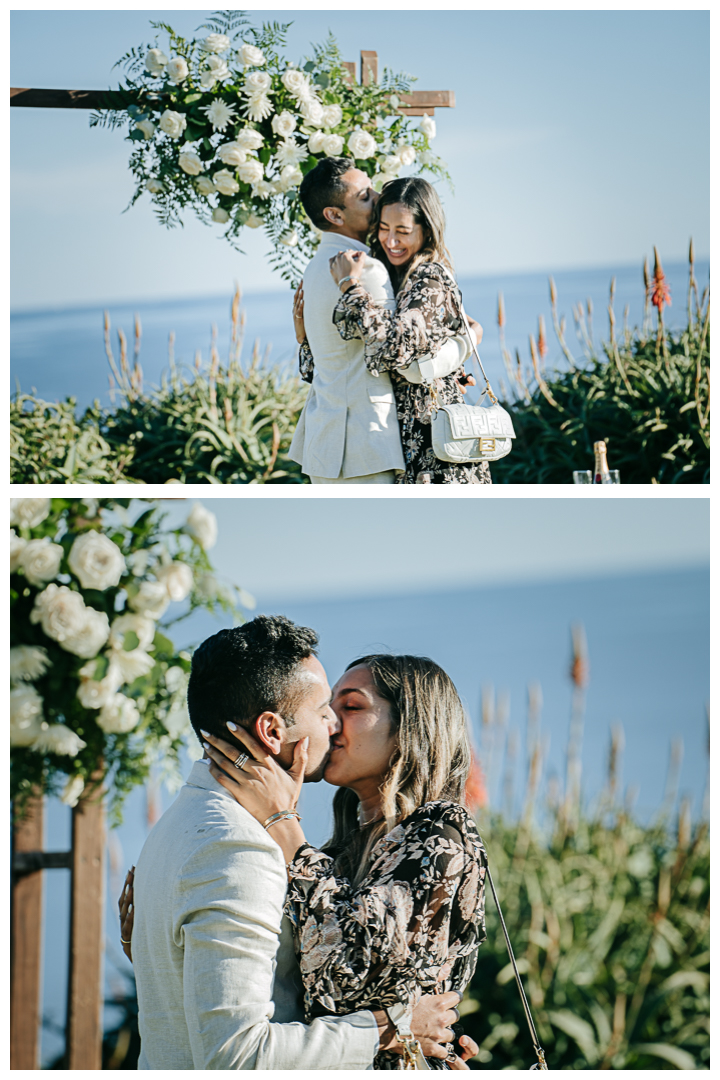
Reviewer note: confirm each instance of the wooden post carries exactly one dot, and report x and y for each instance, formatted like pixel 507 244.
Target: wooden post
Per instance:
pixel 368 68
pixel 26 946
pixel 85 987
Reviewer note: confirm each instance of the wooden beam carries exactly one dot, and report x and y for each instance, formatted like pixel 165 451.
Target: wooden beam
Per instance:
pixel 351 70
pixel 68 99
pixel 26 946
pixel 85 989
pixel 368 68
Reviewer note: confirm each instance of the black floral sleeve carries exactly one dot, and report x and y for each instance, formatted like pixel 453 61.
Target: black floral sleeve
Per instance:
pixel 426 316
pixel 412 926
pixel 306 362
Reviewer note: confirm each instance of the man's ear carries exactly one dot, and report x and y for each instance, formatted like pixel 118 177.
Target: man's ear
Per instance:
pixel 269 730
pixel 334 215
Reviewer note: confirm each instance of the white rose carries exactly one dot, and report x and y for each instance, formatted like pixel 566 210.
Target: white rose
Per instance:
pixel 58 739
pixel 312 111
pixel 205 186
pixel 250 56
pixel 379 179
pixel 250 171
pixel 60 611
pixel 220 216
pixel 289 238
pixel 190 163
pixel 231 154
pixel 253 221
pixel 295 82
pixel 249 139
pixel 147 127
pixel 202 526
pixel 28 513
pixel 129 623
pixel 218 67
pixel 25 705
pixel 333 145
pixel 175 679
pixel 96 561
pixel 425 157
pixel 151 599
pixel 332 115
pixel 94 693
pixel 24 731
pixel 427 126
pixel 177 721
pixel 362 145
pixel 173 123
pixel 177 578
pixel 17 546
pixel 40 560
pixel 91 636
pixel 28 662
pixel 72 791
pixel 225 182
pixel 291 177
pixel 216 43
pixel 406 154
pixel 257 82
pixel 155 61
pixel 132 663
pixel 393 101
pixel 154 186
pixel 391 164
pixel 119 716
pixel 283 124
pixel 263 189
pixel 177 70
pixel 315 142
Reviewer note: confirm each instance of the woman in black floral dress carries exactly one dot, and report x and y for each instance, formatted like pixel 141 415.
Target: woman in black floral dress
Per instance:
pixel 407 235
pixel 393 906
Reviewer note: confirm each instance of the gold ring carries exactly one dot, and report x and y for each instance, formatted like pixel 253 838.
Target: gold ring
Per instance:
pixel 124 941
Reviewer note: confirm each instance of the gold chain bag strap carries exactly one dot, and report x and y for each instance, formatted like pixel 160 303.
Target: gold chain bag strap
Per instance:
pixel 465 433
pixel 541 1063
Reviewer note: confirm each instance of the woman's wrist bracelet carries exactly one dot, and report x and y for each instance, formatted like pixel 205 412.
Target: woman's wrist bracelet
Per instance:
pixel 280 816
pixel 349 277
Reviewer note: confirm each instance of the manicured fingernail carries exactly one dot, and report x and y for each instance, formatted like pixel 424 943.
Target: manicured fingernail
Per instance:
pixel 306 742
pixel 205 733
pixel 207 745
pixel 233 727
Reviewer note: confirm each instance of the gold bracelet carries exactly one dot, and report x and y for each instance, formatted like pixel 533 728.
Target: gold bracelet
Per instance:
pixel 280 816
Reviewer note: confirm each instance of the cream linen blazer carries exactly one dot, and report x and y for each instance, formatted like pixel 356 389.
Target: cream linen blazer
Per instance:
pixel 348 426
pixel 218 983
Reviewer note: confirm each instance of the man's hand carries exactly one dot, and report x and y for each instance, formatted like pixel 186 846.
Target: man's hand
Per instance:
pixel 347 264
pixel 298 314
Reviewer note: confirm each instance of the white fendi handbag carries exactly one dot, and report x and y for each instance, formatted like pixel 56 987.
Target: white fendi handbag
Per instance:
pixel 465 433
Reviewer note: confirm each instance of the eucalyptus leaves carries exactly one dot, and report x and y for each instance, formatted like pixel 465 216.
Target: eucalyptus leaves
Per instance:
pixel 225 126
pixel 97 688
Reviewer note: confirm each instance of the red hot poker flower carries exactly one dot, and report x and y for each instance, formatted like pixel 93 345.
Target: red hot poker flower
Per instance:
pixel 660 290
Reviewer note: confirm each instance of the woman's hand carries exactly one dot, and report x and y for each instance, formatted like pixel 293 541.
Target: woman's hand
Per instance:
pixel 464 382
pixel 347 264
pixel 476 328
pixel 298 313
pixel 127 913
pixel 262 785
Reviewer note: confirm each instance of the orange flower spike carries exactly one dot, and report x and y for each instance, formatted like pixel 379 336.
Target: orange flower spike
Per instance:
pixel 542 339
pixel 475 790
pixel 660 295
pixel 501 311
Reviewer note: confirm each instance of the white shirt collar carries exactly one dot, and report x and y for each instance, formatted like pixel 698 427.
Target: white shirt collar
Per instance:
pixel 342 243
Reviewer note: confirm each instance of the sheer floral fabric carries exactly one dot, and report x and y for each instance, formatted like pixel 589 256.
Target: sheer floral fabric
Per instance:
pixel 426 315
pixel 412 926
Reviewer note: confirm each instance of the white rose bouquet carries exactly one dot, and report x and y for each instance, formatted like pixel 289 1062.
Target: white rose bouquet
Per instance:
pixel 97 688
pixel 225 126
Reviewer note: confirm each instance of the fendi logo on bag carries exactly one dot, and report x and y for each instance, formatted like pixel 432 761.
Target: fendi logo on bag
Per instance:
pixel 476 423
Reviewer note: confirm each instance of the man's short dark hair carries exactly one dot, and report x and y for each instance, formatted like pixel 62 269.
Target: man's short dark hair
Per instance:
pixel 323 186
pixel 255 668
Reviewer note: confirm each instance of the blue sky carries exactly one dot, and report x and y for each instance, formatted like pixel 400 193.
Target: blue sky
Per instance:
pixel 580 138
pixel 314 549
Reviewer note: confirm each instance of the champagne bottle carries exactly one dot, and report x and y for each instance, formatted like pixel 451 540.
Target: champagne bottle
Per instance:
pixel 601 474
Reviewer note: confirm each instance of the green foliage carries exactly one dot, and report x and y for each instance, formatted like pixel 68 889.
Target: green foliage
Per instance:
pixel 647 396
pixel 610 926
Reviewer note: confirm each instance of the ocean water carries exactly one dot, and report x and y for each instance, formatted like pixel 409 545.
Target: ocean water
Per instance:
pixel 648 643
pixel 61 353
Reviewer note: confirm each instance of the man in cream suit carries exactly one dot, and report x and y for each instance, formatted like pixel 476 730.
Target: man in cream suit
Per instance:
pixel 348 431
pixel 218 983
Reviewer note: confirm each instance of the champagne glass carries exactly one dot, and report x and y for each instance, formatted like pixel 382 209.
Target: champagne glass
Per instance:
pixel 583 476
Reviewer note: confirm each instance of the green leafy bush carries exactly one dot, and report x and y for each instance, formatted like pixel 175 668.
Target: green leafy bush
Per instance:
pixel 647 396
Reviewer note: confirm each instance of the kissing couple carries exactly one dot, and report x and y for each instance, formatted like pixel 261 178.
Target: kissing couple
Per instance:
pixel 381 330
pixel 255 950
